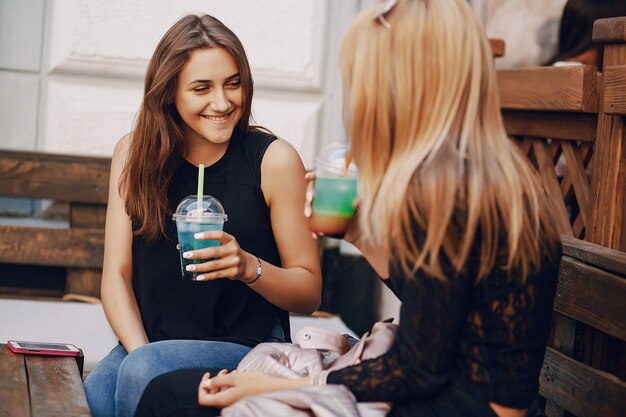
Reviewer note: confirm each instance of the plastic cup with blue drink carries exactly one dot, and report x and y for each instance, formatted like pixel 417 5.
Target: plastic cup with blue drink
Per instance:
pixel 192 216
pixel 336 187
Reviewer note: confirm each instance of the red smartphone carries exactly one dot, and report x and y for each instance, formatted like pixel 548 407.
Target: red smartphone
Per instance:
pixel 43 348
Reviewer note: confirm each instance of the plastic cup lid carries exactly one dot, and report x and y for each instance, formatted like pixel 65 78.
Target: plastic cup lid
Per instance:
pixel 210 209
pixel 333 158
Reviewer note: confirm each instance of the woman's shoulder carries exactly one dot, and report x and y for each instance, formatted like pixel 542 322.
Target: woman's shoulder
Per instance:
pixel 268 150
pixel 259 134
pixel 122 146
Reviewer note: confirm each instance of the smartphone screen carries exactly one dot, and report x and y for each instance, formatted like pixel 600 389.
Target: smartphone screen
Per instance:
pixel 54 346
pixel 43 348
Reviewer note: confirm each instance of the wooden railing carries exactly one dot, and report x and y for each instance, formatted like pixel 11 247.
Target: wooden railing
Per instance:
pixel 569 122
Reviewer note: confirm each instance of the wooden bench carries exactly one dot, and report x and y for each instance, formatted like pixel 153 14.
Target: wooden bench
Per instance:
pixel 574 117
pixel 39 386
pixel 591 290
pixel 82 184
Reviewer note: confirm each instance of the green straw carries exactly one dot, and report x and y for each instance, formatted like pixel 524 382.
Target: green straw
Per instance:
pixel 200 188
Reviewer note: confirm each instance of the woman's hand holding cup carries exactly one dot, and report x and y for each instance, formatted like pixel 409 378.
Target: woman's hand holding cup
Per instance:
pixel 227 260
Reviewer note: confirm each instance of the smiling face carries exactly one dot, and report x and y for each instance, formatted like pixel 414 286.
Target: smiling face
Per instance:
pixel 209 96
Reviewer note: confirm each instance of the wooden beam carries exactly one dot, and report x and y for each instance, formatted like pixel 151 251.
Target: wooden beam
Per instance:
pixel 555 125
pixel 549 88
pixel 56 387
pixel 592 296
pixel 85 281
pixel 13 384
pixel 611 30
pixel 497 47
pixel 581 389
pixel 615 89
pixel 57 177
pixel 82 248
pixel 596 255
pixel 608 189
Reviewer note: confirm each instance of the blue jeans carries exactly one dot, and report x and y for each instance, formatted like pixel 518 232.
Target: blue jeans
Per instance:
pixel 115 385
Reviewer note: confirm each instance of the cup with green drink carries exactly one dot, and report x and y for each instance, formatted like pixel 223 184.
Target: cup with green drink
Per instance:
pixel 336 187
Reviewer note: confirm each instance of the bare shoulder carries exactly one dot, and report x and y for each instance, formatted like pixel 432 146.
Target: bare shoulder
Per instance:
pixel 122 146
pixel 280 156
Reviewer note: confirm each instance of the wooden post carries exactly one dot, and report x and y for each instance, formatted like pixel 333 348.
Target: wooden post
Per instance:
pixel 607 203
pixel 85 281
pixel 607 209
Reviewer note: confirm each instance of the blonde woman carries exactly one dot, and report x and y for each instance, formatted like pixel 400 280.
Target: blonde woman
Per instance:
pixel 451 214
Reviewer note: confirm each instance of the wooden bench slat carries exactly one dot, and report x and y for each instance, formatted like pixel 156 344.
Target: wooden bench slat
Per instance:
pixel 56 388
pixel 591 253
pixel 557 125
pixel 57 177
pixel 581 389
pixel 87 216
pixel 549 88
pixel 592 296
pixel 81 248
pixel 13 384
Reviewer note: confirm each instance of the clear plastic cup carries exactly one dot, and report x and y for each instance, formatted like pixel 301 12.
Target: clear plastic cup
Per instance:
pixel 191 219
pixel 335 190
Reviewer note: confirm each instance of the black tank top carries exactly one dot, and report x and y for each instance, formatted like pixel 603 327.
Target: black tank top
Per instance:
pixel 224 310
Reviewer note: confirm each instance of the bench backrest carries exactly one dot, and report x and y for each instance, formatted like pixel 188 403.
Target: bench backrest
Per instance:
pixel 591 290
pixel 82 182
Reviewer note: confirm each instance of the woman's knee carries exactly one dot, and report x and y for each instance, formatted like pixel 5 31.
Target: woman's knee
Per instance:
pixel 142 364
pixel 101 381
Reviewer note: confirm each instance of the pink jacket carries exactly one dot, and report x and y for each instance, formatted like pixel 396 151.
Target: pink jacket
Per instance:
pixel 317 352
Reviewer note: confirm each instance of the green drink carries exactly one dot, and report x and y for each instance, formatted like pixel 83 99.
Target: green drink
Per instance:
pixel 335 190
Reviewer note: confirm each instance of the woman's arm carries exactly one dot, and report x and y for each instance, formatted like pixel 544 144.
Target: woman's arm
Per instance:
pixel 297 286
pixel 416 366
pixel 118 297
pixel 419 362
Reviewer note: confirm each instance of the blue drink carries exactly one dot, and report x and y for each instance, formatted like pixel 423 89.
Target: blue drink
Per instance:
pixel 186 230
pixel 194 216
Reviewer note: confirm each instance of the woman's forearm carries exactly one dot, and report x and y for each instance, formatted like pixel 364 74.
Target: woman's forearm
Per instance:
pixel 293 289
pixel 122 312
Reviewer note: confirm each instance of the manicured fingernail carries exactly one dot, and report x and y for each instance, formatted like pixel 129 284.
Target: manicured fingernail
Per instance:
pixel 199 235
pixel 200 278
pixel 187 255
pixel 190 267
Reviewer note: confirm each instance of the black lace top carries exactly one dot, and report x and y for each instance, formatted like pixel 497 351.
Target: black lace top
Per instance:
pixel 487 339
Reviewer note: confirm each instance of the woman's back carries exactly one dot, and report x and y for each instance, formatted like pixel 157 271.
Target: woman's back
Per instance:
pixel 486 338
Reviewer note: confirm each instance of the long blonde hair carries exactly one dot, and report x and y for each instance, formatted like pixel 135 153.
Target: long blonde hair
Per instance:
pixel 423 115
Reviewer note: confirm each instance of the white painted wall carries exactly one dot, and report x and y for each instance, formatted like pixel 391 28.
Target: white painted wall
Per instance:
pixel 529 28
pixel 71 71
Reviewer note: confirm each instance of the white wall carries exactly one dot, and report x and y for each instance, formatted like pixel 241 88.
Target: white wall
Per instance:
pixel 71 70
pixel 529 28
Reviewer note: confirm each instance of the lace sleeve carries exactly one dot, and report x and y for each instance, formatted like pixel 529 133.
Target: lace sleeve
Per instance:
pixel 418 363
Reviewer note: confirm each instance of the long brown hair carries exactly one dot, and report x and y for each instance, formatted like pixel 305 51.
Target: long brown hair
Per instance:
pixel 423 115
pixel 157 142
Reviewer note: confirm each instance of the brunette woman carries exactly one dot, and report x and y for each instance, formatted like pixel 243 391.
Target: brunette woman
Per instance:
pixel 196 110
